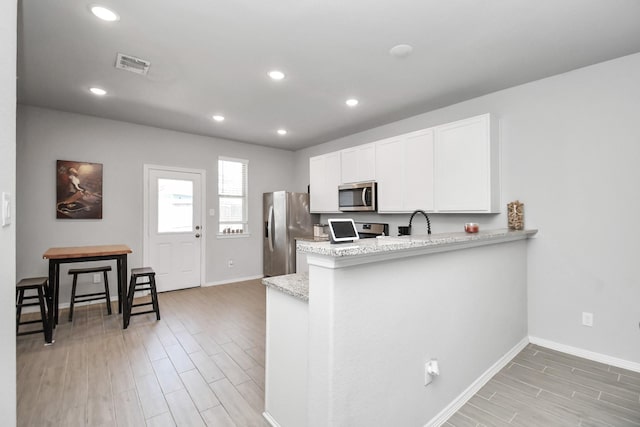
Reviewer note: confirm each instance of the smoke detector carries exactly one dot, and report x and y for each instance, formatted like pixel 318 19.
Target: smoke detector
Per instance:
pixel 133 64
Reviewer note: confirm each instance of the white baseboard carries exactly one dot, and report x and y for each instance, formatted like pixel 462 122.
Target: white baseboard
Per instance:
pixel 267 416
pixel 459 401
pixel 591 355
pixel 234 280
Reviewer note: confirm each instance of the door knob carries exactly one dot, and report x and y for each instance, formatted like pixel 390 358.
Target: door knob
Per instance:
pixel 198 235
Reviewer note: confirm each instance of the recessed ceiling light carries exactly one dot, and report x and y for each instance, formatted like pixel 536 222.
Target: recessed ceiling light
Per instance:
pixel 98 91
pixel 352 102
pixel 104 13
pixel 276 75
pixel 218 118
pixel 282 131
pixel 401 50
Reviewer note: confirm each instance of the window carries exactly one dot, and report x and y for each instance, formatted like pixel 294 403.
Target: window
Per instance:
pixel 232 196
pixel 175 206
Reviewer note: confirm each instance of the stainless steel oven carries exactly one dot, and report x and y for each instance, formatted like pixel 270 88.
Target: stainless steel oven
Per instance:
pixel 358 197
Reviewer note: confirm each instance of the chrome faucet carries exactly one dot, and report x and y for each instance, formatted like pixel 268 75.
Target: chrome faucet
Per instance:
pixel 426 217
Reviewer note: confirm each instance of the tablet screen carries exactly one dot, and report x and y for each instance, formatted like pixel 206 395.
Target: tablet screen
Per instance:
pixel 343 230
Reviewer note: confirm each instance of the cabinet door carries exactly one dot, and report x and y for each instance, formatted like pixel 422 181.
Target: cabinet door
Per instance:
pixel 418 171
pixel 463 165
pixel 324 179
pixel 389 174
pixel 349 165
pixel 367 162
pixel 358 164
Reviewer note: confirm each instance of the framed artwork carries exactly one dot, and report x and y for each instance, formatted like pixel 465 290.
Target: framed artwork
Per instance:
pixel 78 190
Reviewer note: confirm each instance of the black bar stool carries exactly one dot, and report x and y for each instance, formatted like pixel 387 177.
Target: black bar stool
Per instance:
pixel 148 284
pixel 38 284
pixel 93 296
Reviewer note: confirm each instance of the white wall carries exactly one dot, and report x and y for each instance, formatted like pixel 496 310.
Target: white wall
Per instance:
pixel 44 136
pixel 8 19
pixel 373 326
pixel 570 152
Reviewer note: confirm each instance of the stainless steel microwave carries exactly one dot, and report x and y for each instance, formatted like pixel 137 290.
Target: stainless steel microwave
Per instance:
pixel 358 197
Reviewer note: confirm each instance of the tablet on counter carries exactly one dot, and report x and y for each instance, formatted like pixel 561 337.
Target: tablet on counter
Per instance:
pixel 343 230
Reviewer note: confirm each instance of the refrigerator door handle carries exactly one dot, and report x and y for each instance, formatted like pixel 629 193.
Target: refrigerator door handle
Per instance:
pixel 269 228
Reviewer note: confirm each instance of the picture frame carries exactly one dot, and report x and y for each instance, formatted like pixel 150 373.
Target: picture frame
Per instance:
pixel 78 190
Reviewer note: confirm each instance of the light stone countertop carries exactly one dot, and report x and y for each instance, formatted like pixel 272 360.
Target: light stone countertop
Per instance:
pixel 407 243
pixel 296 285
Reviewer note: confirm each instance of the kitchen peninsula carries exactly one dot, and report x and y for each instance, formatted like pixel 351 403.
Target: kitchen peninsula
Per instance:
pixel 347 343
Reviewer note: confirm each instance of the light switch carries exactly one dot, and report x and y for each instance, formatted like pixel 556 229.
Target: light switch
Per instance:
pixel 6 209
pixel 212 212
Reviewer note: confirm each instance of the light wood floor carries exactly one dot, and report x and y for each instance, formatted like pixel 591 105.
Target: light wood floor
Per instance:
pixel 202 364
pixel 545 388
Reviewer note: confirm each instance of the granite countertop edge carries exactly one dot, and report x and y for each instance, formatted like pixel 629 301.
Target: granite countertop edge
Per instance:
pixel 404 243
pixel 296 285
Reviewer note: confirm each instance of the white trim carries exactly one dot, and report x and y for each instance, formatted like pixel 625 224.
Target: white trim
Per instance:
pixel 203 217
pixel 591 355
pixel 232 236
pixel 459 401
pixel 234 280
pixel 267 416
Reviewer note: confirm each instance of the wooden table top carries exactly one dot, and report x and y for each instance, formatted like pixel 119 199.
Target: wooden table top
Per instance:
pixel 86 251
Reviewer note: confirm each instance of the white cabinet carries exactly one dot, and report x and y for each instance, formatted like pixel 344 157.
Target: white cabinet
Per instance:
pixel 358 163
pixel 404 172
pixel 466 166
pixel 324 179
pixel 449 168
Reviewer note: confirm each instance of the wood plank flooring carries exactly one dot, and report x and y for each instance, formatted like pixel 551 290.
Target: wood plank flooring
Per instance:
pixel 201 365
pixel 543 387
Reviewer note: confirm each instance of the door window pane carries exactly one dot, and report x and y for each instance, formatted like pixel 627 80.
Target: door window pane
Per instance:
pixel 175 206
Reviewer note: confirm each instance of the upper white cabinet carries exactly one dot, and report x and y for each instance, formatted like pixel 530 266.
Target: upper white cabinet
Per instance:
pixel 452 168
pixel 358 163
pixel 466 166
pixel 324 179
pixel 404 172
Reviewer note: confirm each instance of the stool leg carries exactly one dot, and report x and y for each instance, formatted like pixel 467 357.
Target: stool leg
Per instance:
pixel 106 291
pixel 129 302
pixel 42 311
pixel 20 298
pixel 154 296
pixel 73 296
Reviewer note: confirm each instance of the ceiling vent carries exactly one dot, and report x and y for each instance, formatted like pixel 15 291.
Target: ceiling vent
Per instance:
pixel 133 64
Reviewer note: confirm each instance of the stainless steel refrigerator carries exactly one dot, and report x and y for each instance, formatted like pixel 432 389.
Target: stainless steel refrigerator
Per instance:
pixel 286 217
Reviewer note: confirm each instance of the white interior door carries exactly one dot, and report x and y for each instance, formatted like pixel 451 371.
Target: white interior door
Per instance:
pixel 173 223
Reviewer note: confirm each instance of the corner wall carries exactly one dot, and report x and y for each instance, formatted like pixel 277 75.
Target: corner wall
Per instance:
pixel 570 149
pixel 8 31
pixel 45 136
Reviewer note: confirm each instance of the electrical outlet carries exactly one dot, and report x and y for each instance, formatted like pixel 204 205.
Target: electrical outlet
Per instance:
pixel 230 263
pixel 96 278
pixel 587 319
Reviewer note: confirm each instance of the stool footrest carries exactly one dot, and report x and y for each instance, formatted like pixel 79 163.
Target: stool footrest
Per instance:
pixel 29 304
pixel 28 322
pixel 142 312
pixel 95 294
pixel 30 332
pixel 142 304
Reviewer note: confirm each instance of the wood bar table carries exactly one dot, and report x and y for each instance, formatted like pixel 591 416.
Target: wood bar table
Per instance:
pixel 57 256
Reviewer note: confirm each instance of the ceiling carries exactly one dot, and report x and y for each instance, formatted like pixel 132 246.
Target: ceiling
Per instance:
pixel 212 57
